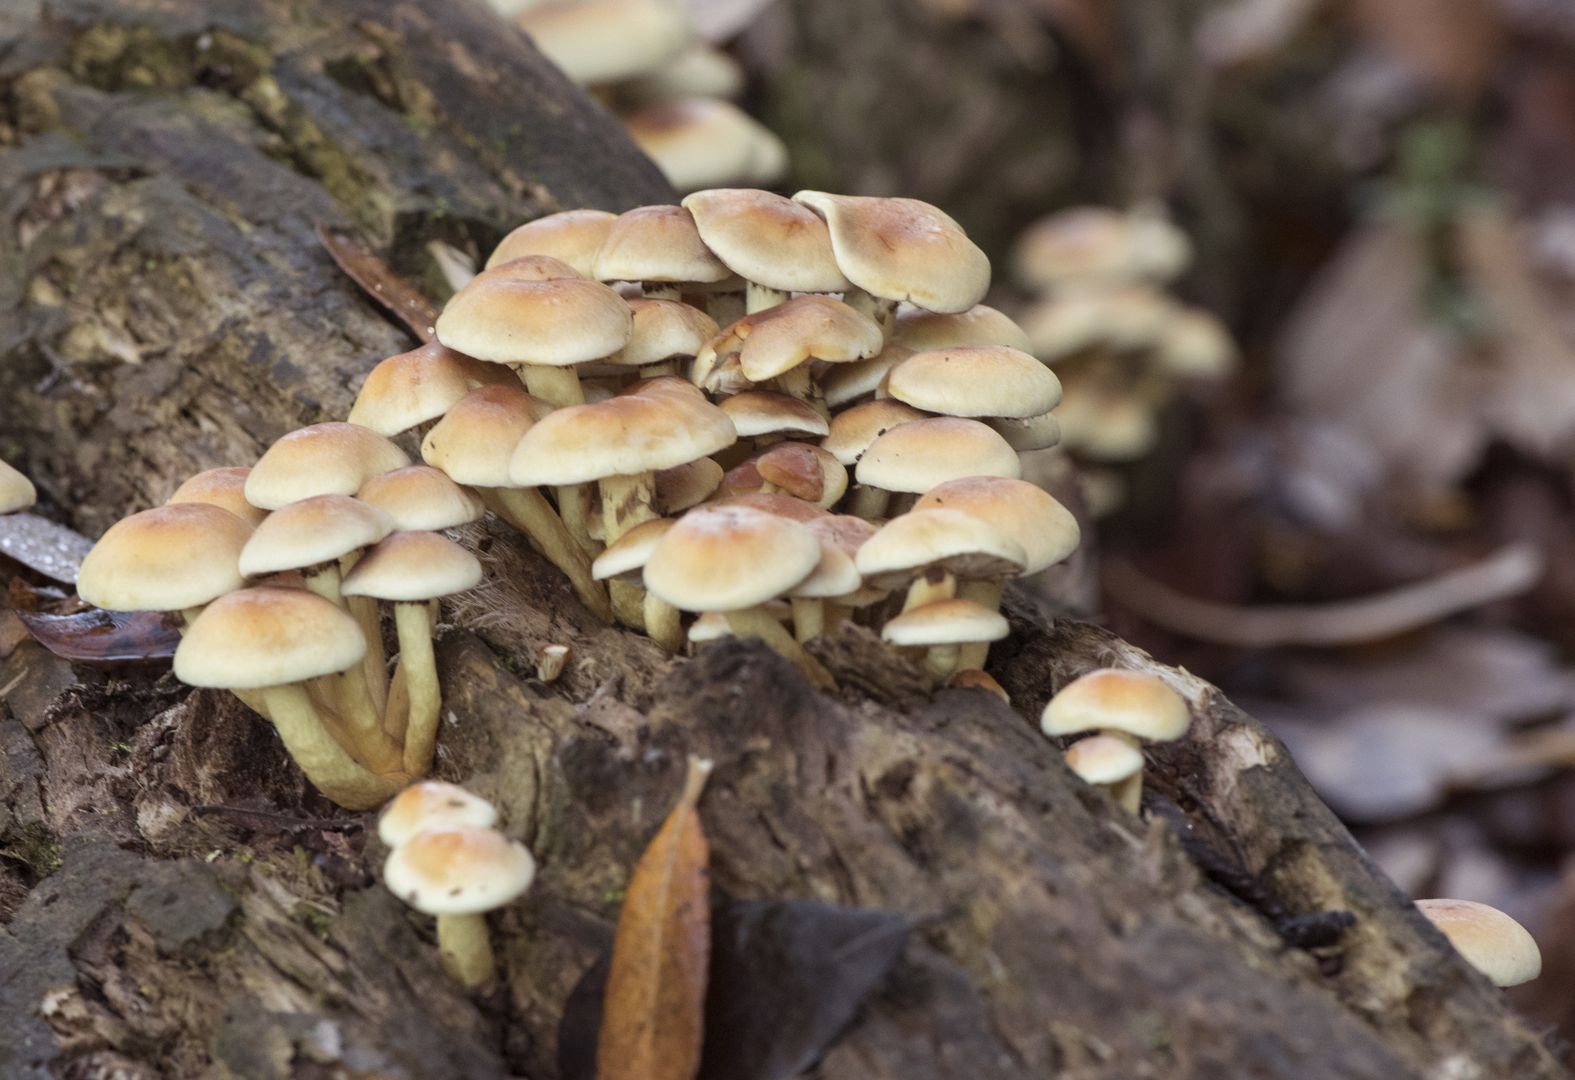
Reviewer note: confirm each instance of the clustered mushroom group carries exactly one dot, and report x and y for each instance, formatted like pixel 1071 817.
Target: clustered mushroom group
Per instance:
pixel 1122 347
pixel 673 92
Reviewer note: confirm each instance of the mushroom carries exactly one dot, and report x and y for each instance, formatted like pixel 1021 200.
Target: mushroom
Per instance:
pixel 573 236
pixel 940 627
pixel 323 459
pixel 765 417
pixel 1194 344
pixel 834 576
pixel 16 491
pixel 432 804
pixel 626 558
pixel 273 640
pixel 664 333
pixel 411 569
pixel 901 249
pixel 313 536
pixel 419 497
pixel 981 324
pixel 701 70
pixel 178 557
pixel 852 430
pixel 224 488
pixel 974 679
pixel 417 387
pixel 658 248
pixel 780 343
pixel 679 488
pixel 733 559
pixel 1112 764
pixel 621 443
pixel 1127 705
pixel 1026 512
pixel 923 454
pixel 975 381
pixel 473 443
pixel 607 41
pixel 458 873
pixel 776 245
pixel 847 383
pixel 1095 245
pixel 1491 941
pixel 544 327
pixel 701 142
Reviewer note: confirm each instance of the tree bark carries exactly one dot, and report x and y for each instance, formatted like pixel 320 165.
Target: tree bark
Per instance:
pixel 178 903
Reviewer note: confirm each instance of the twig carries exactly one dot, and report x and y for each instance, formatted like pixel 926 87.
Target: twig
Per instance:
pixel 1510 571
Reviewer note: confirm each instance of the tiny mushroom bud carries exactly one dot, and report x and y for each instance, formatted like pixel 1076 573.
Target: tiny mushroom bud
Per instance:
pixel 411 569
pixel 432 804
pixel 458 873
pixel 274 640
pixel 224 488
pixel 16 491
pixel 324 459
pixel 551 661
pixel 1491 941
pixel 974 679
pixel 1112 764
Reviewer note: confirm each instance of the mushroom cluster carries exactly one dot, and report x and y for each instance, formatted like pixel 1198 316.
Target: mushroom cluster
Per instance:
pixel 775 414
pixel 1122 347
pixel 673 92
pixel 277 575
pixel 447 859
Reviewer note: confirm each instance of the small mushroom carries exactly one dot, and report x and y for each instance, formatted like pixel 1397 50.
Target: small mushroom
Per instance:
pixel 1111 764
pixel 1491 941
pixel 1128 705
pixel 941 628
pixel 411 569
pixel 915 457
pixel 432 804
pixel 415 388
pixel 573 236
pixel 458 873
pixel 323 459
pixel 626 558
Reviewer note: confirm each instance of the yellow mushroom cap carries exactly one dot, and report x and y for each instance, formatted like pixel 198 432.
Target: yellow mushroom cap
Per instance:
pixel 267 636
pixel 458 870
pixel 950 540
pixel 475 440
pixel 224 488
pixel 662 330
pixel 1104 759
pixel 767 239
pixel 572 236
pixel 923 454
pixel 1491 941
pixel 323 459
pixel 766 412
pixel 410 566
pixel 421 497
pixel 728 558
pixel 700 142
pixel 165 559
pixel 958 621
pixel 852 430
pixel 632 550
pixel 1026 512
pixel 981 324
pixel 432 804
pixel 778 339
pixel 657 243
pixel 1109 699
pixel 558 322
pixel 16 491
pixel 851 381
pixel 975 380
pixel 607 41
pixel 420 385
pixel 322 529
pixel 622 436
pixel 903 249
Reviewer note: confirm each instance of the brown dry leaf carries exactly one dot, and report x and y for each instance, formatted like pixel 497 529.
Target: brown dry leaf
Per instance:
pixel 381 285
pixel 1454 45
pixel 654 1009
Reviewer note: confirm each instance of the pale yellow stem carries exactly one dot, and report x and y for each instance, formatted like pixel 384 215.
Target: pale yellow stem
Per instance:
pixel 557 386
pixel 328 766
pixel 421 685
pixel 987 593
pixel 934 586
pixel 528 511
pixel 466 949
pixel 809 617
pixel 664 623
pixel 757 622
pixel 760 297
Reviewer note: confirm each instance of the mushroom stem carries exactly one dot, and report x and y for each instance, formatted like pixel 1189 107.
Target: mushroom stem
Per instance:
pixel 932 587
pixel 940 661
pixel 466 949
pixel 574 507
pixel 659 369
pixel 421 685
pixel 352 694
pixel 796 382
pixel 364 608
pixel 328 766
pixel 757 622
pixel 760 297
pixel 557 386
pixel 868 502
pixel 1128 794
pixel 725 307
pixel 396 714
pixel 627 502
pixel 809 617
pixel 881 310
pixel 528 511
pixel 663 623
pixel 661 290
pixel 987 593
